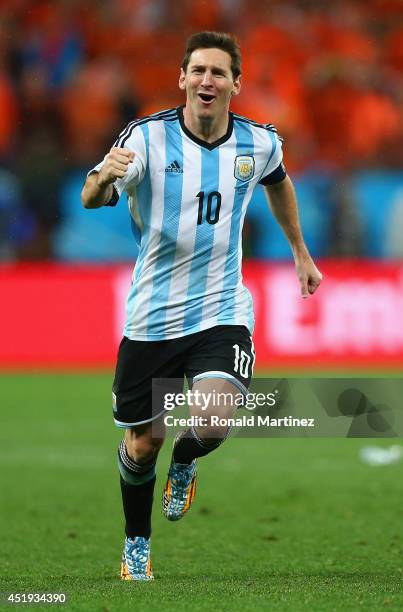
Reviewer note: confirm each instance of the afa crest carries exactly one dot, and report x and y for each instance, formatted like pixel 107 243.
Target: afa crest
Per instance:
pixel 244 167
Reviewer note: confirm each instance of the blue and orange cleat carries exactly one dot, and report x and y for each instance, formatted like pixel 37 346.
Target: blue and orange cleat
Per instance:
pixel 136 560
pixel 180 490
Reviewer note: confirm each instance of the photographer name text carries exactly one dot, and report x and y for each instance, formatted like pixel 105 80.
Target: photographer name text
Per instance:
pixel 243 421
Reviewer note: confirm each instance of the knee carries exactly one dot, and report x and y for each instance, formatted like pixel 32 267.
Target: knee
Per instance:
pixel 142 448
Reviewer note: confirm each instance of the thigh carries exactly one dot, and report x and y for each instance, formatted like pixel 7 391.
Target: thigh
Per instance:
pixel 224 351
pixel 138 364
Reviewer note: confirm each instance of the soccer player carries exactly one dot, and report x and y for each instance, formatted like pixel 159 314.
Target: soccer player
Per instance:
pixel 189 174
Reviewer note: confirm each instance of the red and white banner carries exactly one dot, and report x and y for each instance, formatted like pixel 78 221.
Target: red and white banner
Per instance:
pixel 354 319
pixel 64 316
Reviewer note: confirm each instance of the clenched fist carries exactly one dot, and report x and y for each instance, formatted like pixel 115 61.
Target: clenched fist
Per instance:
pixel 308 274
pixel 116 164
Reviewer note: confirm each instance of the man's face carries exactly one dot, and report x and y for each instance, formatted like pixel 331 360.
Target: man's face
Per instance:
pixel 209 83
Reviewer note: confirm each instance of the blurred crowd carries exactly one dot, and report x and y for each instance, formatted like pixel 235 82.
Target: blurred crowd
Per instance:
pixel 329 75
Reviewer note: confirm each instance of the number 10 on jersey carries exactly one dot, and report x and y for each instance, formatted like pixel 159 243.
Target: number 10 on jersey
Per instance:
pixel 241 361
pixel 213 206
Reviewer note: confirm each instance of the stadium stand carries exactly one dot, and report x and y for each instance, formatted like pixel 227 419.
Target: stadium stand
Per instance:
pixel 329 76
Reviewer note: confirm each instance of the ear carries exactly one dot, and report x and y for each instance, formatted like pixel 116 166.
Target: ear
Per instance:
pixel 237 86
pixel 182 77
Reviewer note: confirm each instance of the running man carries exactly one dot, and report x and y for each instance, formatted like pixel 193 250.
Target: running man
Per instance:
pixel 189 174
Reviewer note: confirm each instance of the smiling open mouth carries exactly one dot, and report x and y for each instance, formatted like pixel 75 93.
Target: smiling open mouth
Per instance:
pixel 206 97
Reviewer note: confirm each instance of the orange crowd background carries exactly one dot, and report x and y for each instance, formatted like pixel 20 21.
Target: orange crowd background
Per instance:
pixel 328 75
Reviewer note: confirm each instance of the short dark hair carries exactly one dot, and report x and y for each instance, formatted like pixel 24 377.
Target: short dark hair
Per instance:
pixel 215 40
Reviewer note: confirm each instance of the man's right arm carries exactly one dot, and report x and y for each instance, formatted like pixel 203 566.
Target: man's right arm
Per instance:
pixel 98 187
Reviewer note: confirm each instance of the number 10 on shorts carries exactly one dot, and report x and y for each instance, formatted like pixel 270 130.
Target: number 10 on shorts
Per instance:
pixel 241 361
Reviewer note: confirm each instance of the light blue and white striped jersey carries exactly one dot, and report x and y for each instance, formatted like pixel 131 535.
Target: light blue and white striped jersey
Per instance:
pixel 187 200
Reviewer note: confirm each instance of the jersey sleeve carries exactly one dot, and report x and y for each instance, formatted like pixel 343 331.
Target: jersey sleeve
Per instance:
pixel 274 171
pixel 133 139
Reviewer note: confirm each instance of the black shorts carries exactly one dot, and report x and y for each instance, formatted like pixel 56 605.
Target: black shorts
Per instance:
pixel 224 351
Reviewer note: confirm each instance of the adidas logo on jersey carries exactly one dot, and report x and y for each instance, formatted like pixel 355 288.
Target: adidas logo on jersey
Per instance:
pixel 174 167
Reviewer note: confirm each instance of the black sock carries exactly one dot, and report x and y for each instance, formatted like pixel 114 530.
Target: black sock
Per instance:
pixel 190 446
pixel 137 505
pixel 137 481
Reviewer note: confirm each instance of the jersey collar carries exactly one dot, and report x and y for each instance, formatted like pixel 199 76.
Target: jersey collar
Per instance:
pixel 199 141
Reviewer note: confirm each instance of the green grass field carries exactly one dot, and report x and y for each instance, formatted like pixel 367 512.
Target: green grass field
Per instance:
pixel 285 524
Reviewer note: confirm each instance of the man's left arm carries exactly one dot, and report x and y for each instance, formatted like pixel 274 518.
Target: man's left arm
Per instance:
pixel 283 203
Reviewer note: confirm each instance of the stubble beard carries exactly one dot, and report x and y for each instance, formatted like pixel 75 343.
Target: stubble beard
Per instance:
pixel 207 123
